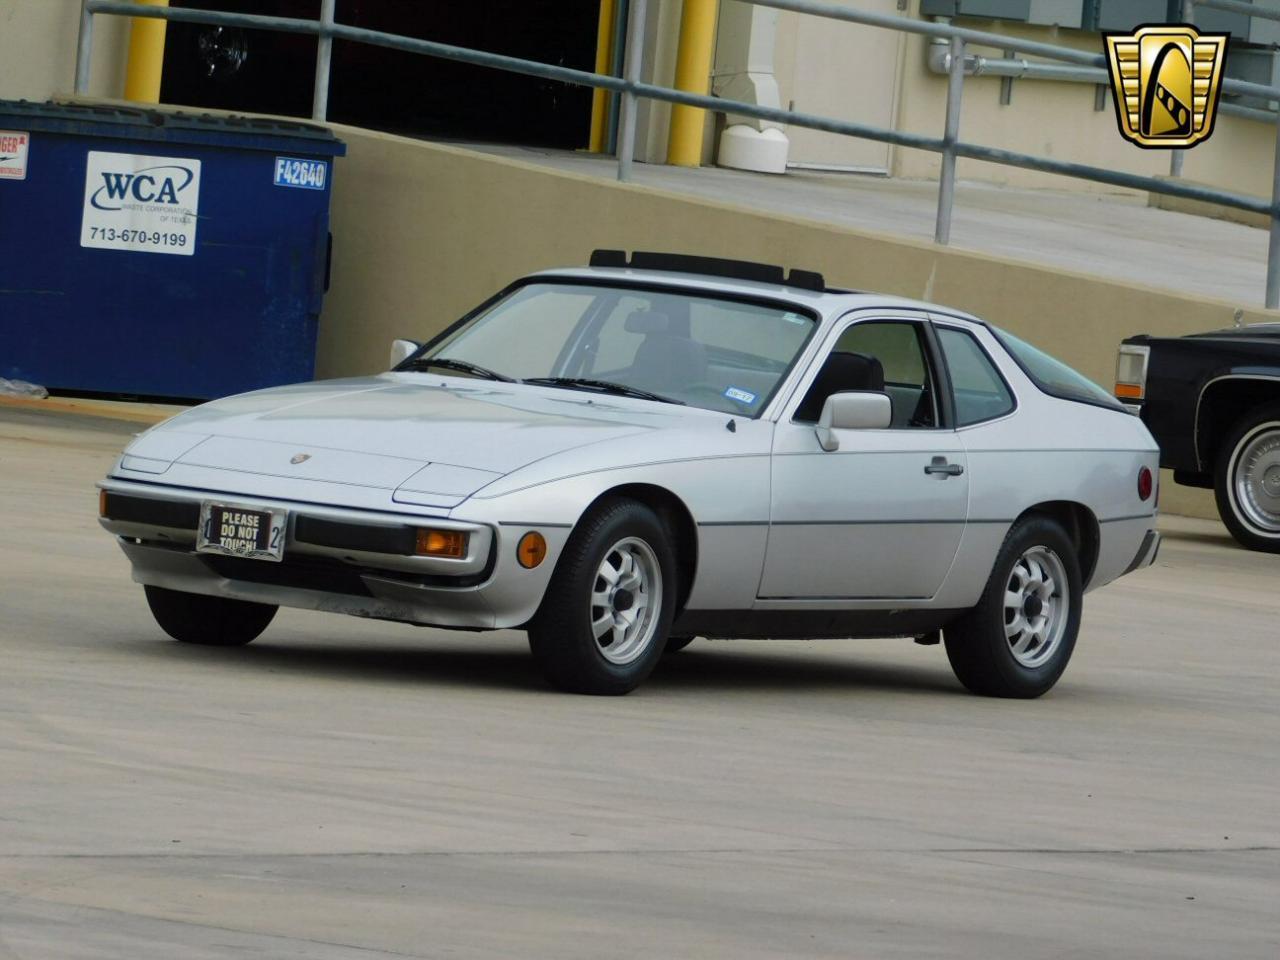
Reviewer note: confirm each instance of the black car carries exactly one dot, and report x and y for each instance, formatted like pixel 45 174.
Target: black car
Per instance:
pixel 1212 401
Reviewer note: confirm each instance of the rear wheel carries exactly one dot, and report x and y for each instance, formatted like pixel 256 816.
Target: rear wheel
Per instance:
pixel 209 621
pixel 604 621
pixel 1017 641
pixel 1247 480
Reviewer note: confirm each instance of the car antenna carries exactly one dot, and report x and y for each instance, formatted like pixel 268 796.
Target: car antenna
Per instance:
pixel 732 426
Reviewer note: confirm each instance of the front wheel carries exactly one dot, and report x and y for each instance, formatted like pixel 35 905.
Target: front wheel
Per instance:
pixel 1018 639
pixel 603 623
pixel 1247 480
pixel 208 621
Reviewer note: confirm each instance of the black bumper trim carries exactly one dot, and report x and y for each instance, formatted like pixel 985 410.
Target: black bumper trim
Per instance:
pixel 180 515
pixel 401 540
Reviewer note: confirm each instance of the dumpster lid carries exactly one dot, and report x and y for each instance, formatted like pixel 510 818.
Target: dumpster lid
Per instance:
pixel 171 126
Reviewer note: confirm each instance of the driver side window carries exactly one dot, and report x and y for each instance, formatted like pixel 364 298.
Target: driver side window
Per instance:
pixel 881 355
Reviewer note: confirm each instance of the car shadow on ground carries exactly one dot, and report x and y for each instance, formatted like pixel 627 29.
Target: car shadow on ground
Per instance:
pixel 716 666
pixel 1218 538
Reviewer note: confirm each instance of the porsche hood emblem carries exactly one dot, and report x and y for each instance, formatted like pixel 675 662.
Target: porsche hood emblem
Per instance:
pixel 300 458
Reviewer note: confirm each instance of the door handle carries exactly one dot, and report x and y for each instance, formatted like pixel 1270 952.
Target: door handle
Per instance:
pixel 940 468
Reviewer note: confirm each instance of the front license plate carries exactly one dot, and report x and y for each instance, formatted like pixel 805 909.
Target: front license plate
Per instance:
pixel 241 531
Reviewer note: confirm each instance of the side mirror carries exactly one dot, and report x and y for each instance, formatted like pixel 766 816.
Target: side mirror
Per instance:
pixel 853 410
pixel 402 350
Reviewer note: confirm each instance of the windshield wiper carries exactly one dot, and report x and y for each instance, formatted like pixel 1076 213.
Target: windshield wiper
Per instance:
pixel 605 386
pixel 462 366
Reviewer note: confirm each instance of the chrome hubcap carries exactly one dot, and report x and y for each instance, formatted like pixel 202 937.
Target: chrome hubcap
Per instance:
pixel 626 599
pixel 1257 478
pixel 1036 606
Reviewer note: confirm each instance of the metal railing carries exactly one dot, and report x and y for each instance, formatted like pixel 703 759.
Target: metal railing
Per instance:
pixel 1236 6
pixel 950 146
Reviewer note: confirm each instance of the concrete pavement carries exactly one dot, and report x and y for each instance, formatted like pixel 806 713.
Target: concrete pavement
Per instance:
pixel 344 789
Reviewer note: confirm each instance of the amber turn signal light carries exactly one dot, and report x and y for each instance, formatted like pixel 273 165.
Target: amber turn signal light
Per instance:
pixel 1129 391
pixel 441 543
pixel 531 550
pixel 102 503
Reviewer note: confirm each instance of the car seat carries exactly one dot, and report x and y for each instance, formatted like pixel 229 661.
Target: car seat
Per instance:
pixel 841 371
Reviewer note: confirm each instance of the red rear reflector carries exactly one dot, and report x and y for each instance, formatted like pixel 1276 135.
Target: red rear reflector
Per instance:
pixel 1145 483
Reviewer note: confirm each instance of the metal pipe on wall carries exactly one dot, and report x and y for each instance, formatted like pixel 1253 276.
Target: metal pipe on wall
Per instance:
pixel 938 60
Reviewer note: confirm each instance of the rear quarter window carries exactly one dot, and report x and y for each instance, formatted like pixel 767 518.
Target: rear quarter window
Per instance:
pixel 1052 376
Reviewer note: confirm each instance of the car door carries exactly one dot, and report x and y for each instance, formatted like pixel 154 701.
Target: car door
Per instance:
pixel 881 516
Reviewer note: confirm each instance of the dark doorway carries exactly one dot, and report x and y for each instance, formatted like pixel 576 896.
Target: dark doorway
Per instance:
pixel 268 72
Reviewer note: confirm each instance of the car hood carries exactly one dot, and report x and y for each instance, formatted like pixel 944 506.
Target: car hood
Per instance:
pixel 411 431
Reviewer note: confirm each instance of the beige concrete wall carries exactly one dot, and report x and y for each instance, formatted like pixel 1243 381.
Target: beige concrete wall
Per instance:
pixel 1058 120
pixel 424 231
pixel 1051 119
pixel 38 50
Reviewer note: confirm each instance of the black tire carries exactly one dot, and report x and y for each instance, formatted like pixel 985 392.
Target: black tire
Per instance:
pixel 676 644
pixel 1261 424
pixel 208 621
pixel 981 652
pixel 561 634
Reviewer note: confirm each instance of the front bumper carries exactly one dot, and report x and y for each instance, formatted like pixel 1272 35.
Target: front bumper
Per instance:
pixel 335 559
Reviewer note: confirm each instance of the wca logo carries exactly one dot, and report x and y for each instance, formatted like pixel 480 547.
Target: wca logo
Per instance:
pixel 158 184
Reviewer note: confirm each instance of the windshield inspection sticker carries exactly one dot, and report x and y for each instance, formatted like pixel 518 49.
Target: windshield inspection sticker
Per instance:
pixel 304 174
pixel 143 204
pixel 742 396
pixel 13 154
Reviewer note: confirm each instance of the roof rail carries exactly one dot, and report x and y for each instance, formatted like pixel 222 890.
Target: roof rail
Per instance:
pixel 709 266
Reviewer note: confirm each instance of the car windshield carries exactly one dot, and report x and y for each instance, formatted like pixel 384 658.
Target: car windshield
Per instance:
pixel 1053 376
pixel 704 351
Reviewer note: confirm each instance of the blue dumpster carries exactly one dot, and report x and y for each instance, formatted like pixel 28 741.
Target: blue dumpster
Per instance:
pixel 158 254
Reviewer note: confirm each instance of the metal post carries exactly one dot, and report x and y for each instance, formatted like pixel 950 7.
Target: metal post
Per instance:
pixel 324 56
pixel 1177 157
pixel 84 49
pixel 1273 248
pixel 630 73
pixel 947 178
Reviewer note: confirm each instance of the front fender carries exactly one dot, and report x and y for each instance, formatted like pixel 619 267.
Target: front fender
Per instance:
pixel 728 498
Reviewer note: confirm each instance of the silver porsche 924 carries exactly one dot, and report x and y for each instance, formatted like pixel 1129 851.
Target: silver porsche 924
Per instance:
pixel 621 458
